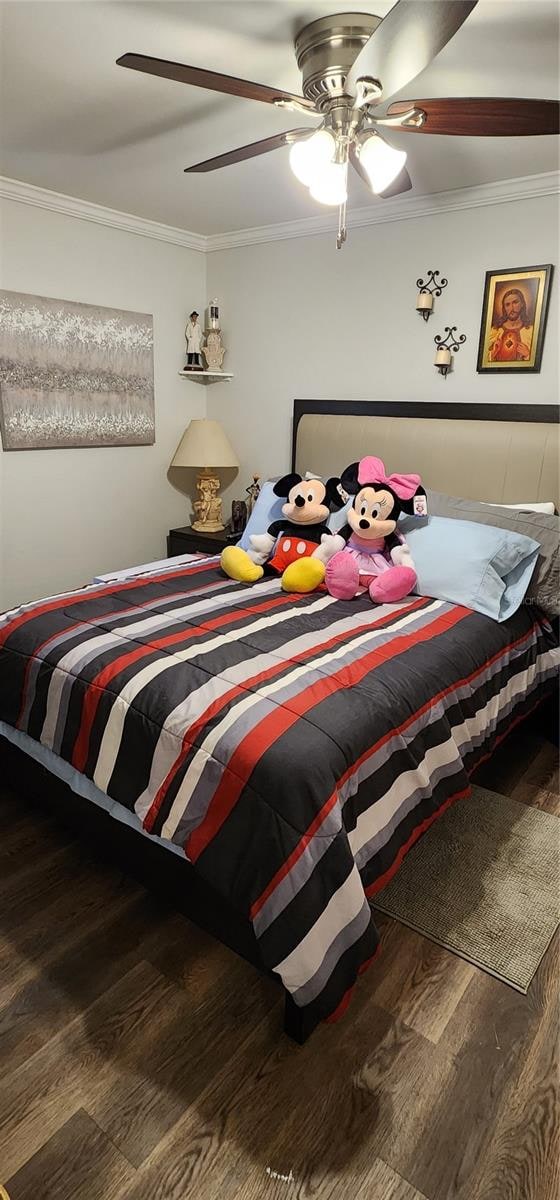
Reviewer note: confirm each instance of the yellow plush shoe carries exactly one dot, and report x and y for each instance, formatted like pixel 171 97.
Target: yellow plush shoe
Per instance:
pixel 304 575
pixel 237 565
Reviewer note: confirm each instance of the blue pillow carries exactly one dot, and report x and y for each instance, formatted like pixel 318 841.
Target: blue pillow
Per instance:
pixel 269 508
pixel 478 566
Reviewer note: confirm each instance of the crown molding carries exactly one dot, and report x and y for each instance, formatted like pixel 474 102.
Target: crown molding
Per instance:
pixel 71 206
pixel 400 208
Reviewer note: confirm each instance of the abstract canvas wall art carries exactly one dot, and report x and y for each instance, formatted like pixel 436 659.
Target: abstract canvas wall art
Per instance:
pixel 74 375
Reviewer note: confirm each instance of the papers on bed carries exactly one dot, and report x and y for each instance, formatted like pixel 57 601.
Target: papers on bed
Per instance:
pixel 158 567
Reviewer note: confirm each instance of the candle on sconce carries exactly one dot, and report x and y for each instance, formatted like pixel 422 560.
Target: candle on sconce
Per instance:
pixel 443 360
pixel 424 302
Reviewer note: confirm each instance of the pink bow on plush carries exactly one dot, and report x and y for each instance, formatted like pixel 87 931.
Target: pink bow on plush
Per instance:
pixel 372 470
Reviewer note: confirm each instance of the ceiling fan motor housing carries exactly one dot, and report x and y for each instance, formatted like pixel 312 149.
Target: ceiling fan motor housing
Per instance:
pixel 325 51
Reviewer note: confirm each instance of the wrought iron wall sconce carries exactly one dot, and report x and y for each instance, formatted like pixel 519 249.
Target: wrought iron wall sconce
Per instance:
pixel 425 298
pixel 445 345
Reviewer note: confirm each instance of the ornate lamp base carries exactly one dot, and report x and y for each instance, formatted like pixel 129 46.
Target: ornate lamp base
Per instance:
pixel 208 526
pixel 208 506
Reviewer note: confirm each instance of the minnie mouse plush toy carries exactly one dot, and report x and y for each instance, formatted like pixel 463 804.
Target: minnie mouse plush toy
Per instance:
pixel 376 558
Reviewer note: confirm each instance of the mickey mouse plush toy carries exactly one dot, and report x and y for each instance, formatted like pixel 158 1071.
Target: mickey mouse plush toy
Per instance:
pixel 376 558
pixel 302 537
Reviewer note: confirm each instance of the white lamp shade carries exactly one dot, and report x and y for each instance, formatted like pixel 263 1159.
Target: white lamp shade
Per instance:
pixel 307 156
pixel 204 444
pixel 329 184
pixel 381 162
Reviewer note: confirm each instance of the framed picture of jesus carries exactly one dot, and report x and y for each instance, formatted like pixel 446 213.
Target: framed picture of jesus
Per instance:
pixel 514 319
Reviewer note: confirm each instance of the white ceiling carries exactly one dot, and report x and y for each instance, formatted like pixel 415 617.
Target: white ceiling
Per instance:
pixel 74 122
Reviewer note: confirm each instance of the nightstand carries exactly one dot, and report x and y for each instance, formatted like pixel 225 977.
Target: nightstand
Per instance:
pixel 191 541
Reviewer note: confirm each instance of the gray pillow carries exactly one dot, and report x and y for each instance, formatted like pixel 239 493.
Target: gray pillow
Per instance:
pixel 544 588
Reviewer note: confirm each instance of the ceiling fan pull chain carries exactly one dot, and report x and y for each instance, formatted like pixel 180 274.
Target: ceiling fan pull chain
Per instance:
pixel 341 235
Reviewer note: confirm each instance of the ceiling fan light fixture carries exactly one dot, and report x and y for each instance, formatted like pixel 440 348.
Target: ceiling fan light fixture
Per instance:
pixel 330 184
pixel 382 163
pixel 307 158
pixel 349 61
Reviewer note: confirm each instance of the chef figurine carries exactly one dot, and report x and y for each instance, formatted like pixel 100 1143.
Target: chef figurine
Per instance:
pixel 194 338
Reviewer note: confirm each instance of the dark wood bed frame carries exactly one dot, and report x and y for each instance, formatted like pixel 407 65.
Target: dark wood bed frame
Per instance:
pixel 154 866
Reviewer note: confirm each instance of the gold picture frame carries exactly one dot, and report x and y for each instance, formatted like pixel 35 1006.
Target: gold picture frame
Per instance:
pixel 513 322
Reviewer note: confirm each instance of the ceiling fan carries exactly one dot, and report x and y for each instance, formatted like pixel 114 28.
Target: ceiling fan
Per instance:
pixel 351 63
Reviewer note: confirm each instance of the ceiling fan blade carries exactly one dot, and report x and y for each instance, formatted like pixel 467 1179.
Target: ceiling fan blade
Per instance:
pixel 250 151
pixel 213 80
pixel 406 41
pixel 402 183
pixel 492 117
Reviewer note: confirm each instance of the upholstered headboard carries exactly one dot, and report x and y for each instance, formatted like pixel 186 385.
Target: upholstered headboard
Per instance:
pixel 501 454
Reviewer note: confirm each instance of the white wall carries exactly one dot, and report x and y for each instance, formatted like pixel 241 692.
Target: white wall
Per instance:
pixel 69 514
pixel 302 319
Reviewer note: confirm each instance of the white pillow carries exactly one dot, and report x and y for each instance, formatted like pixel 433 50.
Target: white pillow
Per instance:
pixel 545 506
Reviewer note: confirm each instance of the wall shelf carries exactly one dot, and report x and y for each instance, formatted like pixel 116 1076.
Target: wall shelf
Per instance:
pixel 206 376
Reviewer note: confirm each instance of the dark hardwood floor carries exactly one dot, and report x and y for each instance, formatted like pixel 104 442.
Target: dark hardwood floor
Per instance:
pixel 141 1060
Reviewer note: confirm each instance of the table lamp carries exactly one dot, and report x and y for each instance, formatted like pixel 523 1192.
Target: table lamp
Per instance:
pixel 205 445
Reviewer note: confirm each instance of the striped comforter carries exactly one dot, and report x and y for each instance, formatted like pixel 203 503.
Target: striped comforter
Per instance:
pixel 295 746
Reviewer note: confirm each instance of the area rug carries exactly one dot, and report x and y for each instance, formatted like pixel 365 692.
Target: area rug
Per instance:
pixel 484 882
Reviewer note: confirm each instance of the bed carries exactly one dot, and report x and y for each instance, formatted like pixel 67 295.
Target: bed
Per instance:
pixel 271 758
